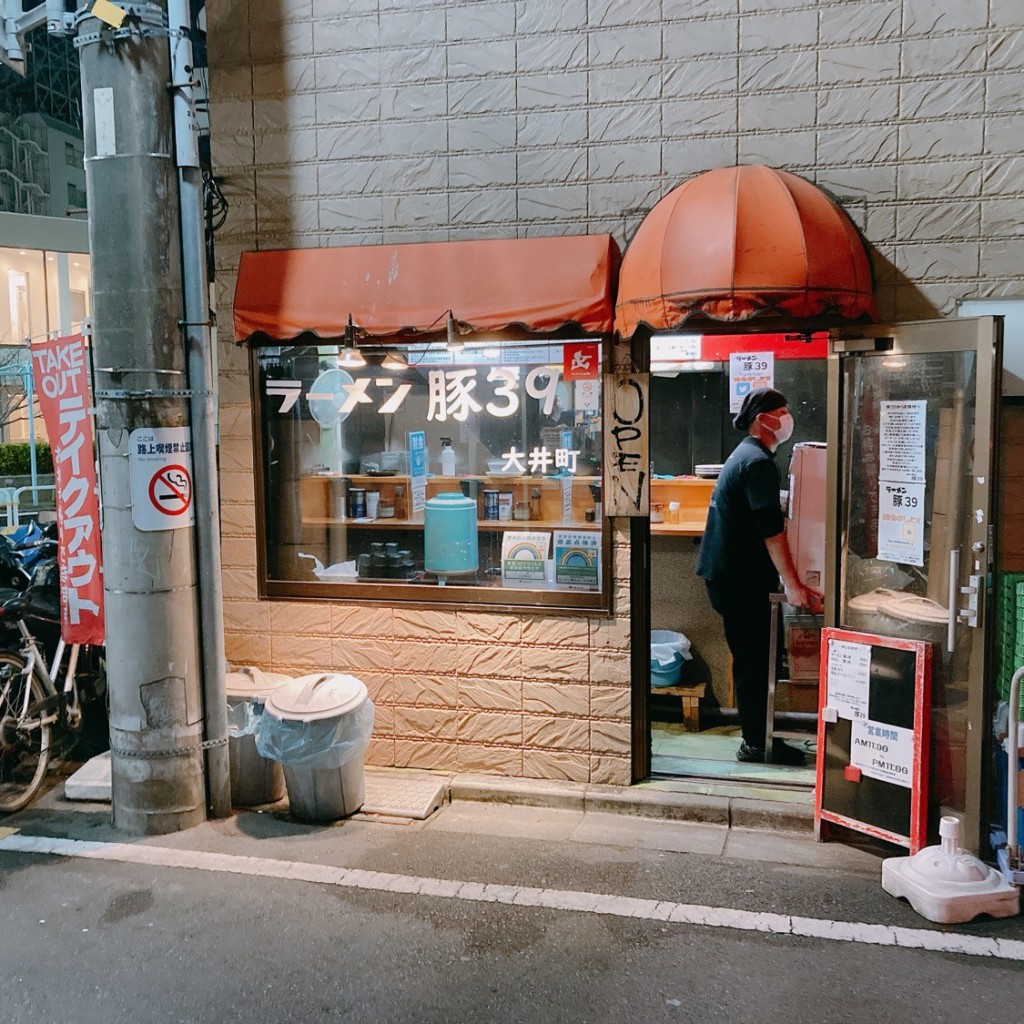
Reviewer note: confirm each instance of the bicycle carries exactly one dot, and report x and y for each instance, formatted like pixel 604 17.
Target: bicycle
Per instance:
pixel 34 700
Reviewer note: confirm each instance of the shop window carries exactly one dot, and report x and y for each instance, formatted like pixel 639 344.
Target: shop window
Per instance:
pixel 430 475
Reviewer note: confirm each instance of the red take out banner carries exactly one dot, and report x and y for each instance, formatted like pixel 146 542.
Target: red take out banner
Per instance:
pixel 60 372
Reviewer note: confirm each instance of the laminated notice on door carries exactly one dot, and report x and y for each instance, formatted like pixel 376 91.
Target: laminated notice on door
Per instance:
pixel 901 522
pixel 901 441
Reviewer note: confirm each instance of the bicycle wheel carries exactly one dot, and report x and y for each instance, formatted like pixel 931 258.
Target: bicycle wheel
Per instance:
pixel 24 734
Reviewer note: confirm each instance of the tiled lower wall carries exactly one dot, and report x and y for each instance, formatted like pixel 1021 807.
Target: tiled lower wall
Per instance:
pixel 513 694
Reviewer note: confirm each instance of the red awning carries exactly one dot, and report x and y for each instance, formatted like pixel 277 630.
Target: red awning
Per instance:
pixel 539 283
pixel 740 243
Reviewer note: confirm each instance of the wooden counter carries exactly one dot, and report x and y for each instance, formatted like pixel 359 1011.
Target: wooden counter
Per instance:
pixel 693 495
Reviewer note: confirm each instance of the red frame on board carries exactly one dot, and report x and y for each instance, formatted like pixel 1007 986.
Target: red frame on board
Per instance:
pixel 918 831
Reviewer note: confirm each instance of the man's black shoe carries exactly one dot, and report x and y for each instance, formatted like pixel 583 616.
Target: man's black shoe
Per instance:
pixel 782 753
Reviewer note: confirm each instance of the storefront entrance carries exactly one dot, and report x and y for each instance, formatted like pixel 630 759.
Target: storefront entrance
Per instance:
pixel 696 384
pixel 899 507
pixel 912 492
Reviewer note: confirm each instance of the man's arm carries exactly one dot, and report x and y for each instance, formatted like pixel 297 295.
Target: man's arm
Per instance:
pixel 797 594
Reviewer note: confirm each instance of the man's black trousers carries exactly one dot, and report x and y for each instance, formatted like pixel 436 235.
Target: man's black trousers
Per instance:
pixel 746 616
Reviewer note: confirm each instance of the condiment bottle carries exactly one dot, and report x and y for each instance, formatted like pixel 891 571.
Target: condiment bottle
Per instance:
pixel 400 510
pixel 535 503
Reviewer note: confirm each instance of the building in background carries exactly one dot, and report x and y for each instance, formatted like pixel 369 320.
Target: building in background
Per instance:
pixel 44 252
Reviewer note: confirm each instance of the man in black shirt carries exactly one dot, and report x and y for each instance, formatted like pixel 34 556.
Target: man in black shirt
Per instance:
pixel 742 557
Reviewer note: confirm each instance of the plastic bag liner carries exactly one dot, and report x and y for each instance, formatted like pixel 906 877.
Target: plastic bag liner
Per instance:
pixel 321 743
pixel 669 648
pixel 243 717
pixel 247 691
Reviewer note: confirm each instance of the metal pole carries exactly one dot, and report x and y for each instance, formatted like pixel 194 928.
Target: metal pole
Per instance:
pixel 196 330
pixel 26 376
pixel 153 663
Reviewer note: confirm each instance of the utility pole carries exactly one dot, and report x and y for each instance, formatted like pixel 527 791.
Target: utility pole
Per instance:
pixel 145 369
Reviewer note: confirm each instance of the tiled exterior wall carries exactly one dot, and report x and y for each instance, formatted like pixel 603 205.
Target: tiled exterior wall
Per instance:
pixel 346 122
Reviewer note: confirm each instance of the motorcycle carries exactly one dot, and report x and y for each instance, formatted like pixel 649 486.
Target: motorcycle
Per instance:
pixel 30 629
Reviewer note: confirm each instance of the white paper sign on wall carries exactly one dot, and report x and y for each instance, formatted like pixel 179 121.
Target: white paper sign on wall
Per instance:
pixel 747 372
pixel 160 465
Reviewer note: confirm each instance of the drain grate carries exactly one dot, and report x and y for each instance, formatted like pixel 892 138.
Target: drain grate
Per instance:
pixel 402 797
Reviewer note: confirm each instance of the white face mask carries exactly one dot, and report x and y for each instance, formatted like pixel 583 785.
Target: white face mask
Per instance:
pixel 784 431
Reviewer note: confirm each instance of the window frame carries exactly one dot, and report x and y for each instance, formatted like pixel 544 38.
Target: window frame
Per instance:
pixel 452 595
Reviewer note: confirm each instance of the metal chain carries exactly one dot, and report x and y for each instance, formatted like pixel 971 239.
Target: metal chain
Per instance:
pixel 177 752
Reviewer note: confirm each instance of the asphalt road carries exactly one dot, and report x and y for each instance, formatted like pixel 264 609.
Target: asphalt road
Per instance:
pixel 88 941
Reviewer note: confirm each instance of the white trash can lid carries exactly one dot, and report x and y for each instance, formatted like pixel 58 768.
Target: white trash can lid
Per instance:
pixel 251 683
pixel 313 697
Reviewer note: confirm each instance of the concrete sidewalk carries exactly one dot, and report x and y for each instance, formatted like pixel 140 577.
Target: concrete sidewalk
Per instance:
pixel 735 823
pixel 399 792
pixel 729 804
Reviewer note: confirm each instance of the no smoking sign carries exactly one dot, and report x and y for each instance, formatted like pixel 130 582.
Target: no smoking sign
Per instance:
pixel 170 490
pixel 160 461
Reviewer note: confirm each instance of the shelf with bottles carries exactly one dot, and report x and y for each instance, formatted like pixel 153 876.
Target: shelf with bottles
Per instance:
pixel 542 496
pixel 323 499
pixel 483 525
pixel 691 494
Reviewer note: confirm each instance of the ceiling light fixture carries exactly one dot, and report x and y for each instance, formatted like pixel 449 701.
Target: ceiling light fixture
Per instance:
pixel 455 343
pixel 350 357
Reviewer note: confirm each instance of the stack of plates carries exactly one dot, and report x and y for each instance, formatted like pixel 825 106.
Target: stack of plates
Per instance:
pixel 710 470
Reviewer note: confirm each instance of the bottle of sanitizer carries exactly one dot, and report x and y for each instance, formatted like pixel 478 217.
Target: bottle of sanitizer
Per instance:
pixel 447 457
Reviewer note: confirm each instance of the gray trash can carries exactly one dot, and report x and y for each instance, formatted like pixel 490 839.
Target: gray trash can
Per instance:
pixel 255 780
pixel 319 727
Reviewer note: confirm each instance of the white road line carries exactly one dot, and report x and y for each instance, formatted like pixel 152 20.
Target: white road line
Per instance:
pixel 524 896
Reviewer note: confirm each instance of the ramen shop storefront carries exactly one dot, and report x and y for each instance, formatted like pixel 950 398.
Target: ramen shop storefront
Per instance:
pixel 428 456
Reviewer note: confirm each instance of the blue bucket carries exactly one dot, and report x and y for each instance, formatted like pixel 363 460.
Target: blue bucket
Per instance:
pixel 667 673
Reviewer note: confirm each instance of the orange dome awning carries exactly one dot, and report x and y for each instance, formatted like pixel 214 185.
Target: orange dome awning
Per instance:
pixel 541 284
pixel 741 244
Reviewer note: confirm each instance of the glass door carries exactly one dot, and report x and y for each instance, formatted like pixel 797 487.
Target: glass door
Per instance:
pixel 911 444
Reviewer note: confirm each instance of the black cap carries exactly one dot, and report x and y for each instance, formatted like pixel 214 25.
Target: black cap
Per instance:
pixel 757 401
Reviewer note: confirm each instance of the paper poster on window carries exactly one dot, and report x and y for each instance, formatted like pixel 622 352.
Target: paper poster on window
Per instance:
pixel 581 361
pixel 588 395
pixel 679 349
pixel 884 752
pixel 749 371
pixel 901 441
pixel 849 669
pixel 523 556
pixel 901 522
pixel 418 469
pixel 578 559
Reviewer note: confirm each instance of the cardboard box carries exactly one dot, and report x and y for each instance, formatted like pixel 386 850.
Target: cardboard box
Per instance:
pixel 803 648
